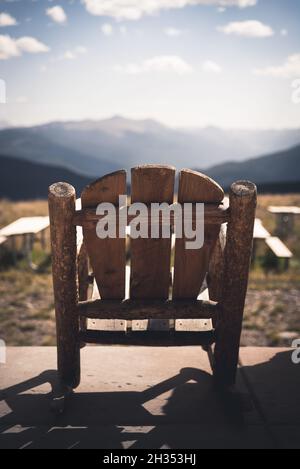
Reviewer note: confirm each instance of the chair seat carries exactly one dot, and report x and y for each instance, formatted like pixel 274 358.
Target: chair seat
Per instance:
pixel 201 314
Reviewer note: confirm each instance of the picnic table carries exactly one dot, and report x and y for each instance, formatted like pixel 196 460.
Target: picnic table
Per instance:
pixel 275 244
pixel 285 219
pixel 28 228
pixel 3 239
pixel 260 232
pixel 279 248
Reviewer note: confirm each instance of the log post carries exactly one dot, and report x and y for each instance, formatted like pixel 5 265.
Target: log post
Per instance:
pixel 62 199
pixel 243 200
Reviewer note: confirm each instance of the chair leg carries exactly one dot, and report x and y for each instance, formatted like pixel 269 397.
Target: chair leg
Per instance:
pixel 226 359
pixel 64 255
pixel 60 398
pixel 243 199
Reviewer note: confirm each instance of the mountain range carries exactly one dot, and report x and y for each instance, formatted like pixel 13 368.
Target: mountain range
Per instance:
pixel 281 168
pixel 93 147
pixel 82 151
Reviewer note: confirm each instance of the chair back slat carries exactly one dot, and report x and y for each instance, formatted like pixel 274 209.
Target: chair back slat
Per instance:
pixel 191 266
pixel 151 258
pixel 107 256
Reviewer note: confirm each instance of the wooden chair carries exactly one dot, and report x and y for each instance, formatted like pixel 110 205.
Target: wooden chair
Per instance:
pixel 223 262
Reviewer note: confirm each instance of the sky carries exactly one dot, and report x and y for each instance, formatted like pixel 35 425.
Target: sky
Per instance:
pixel 186 63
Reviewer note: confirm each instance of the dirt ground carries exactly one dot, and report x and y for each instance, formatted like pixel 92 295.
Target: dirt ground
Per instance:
pixel 272 314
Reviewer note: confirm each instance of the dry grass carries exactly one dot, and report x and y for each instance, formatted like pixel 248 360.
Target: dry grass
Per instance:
pixel 26 308
pixel 10 211
pixel 26 299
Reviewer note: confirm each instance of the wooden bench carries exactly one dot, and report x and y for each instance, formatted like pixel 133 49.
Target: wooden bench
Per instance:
pixel 153 294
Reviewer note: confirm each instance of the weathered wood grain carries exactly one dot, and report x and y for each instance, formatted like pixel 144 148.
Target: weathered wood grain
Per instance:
pixel 107 256
pixel 151 258
pixel 83 280
pixel 64 251
pixel 191 266
pixel 216 267
pixel 214 215
pixel 243 200
pixel 148 309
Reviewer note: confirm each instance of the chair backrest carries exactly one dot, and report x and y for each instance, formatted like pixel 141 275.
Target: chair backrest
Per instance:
pixel 151 259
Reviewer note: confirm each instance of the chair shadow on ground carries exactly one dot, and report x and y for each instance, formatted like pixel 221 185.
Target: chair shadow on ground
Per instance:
pixel 167 415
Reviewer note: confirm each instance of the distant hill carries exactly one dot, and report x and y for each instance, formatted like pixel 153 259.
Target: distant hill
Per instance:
pixel 279 187
pixel 282 168
pixel 52 146
pixel 116 143
pixel 276 173
pixel 22 180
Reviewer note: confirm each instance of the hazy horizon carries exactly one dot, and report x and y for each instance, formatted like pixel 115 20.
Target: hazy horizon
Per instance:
pixel 188 128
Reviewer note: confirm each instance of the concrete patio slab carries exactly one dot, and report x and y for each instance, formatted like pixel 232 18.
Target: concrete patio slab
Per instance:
pixel 134 398
pixel 275 380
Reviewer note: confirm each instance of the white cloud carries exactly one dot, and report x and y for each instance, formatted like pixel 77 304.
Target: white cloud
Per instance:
pixel 289 69
pixel 173 32
pixel 250 28
pixel 7 20
pixel 69 55
pixel 107 29
pixel 57 14
pixel 31 45
pixel 10 47
pixel 73 54
pixel 164 63
pixel 211 67
pixel 135 9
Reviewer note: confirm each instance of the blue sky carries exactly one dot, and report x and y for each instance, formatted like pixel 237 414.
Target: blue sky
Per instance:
pixel 228 63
